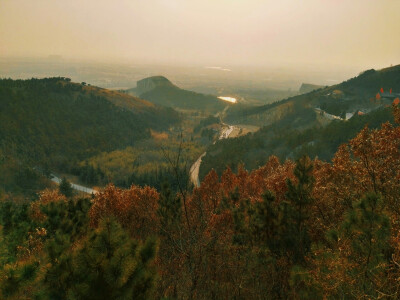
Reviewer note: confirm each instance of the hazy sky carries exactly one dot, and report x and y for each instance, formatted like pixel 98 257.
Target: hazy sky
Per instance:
pixel 208 32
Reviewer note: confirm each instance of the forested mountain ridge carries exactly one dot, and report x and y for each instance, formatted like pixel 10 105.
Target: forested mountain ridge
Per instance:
pixel 54 122
pixel 346 97
pixel 299 125
pixel 160 90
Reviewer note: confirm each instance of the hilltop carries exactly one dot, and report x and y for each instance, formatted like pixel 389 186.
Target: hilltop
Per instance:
pixel 160 90
pixel 147 84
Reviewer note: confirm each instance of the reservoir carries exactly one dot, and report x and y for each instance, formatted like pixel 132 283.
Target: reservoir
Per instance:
pixel 229 99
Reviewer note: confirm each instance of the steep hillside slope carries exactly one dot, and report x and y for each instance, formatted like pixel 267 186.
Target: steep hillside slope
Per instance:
pixel 160 90
pixel 54 122
pixel 295 126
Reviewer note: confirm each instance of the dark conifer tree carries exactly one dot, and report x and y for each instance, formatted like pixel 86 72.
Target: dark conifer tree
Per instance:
pixel 169 208
pixel 368 229
pixel 296 211
pixel 65 187
pixel 109 265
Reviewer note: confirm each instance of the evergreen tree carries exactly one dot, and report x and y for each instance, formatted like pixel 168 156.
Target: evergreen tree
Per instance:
pixel 368 229
pixel 109 265
pixel 296 211
pixel 65 187
pixel 281 229
pixel 169 208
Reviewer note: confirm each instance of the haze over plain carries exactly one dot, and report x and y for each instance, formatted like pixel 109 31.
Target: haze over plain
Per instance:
pixel 358 34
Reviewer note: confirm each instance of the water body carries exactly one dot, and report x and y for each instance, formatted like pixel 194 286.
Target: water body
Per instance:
pixel 228 99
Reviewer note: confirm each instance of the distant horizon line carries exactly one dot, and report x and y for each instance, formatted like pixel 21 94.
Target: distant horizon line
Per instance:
pixel 54 58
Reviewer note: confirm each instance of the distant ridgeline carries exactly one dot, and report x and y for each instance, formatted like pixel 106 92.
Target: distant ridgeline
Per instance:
pixel 54 121
pixel 160 90
pixel 315 123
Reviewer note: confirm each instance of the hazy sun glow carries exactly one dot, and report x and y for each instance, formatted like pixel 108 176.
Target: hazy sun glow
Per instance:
pixel 358 33
pixel 229 99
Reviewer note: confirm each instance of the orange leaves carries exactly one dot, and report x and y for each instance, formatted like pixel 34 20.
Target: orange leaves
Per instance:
pixel 271 176
pixel 48 196
pixel 396 101
pixel 213 202
pixel 222 225
pixel 194 258
pixel 327 207
pixel 378 157
pixel 209 192
pixel 276 179
pixel 33 245
pixel 228 181
pixel 370 162
pixel 45 197
pixel 135 209
pixel 378 97
pixel 396 113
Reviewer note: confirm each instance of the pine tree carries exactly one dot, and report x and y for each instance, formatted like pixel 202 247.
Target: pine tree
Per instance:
pixel 170 208
pixel 296 211
pixel 65 187
pixel 367 228
pixel 109 265
pixel 281 228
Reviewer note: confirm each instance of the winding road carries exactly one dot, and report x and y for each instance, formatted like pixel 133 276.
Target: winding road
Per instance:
pixel 195 168
pixel 77 187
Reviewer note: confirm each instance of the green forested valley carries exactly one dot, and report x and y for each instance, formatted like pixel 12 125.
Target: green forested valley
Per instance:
pixel 53 124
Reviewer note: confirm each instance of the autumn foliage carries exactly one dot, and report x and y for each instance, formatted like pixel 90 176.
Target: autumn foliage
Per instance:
pixel 45 198
pixel 134 208
pixel 304 229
